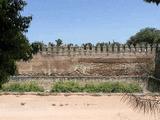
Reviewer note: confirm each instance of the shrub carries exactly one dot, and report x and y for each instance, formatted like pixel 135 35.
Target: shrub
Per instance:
pixel 22 87
pixel 111 87
pixel 133 88
pixel 90 88
pixel 66 87
pixel 107 87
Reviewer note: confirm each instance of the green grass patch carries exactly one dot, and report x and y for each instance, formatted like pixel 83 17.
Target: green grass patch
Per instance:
pixel 106 87
pixel 66 87
pixel 22 87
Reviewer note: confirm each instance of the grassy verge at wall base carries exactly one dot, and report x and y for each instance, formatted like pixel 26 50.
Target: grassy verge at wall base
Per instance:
pixel 74 87
pixel 106 87
pixel 22 87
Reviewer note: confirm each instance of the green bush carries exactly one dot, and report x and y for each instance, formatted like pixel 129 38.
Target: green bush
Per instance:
pixel 66 87
pixel 107 87
pixel 90 88
pixel 22 87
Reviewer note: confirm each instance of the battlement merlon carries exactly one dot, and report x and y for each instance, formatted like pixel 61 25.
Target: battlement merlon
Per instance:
pixel 68 50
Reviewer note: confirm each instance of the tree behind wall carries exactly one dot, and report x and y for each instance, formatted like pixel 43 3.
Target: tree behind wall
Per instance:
pixel 153 1
pixel 36 47
pixel 14 45
pixel 59 42
pixel 147 35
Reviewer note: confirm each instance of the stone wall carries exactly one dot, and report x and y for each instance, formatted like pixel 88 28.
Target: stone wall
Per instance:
pixel 106 60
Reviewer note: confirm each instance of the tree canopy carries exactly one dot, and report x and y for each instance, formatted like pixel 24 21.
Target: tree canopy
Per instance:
pixel 14 45
pixel 147 35
pixel 36 47
pixel 153 1
pixel 59 42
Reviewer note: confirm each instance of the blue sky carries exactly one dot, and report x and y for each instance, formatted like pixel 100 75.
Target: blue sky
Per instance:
pixel 81 21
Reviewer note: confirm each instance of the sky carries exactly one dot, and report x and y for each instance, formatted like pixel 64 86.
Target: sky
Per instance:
pixel 83 21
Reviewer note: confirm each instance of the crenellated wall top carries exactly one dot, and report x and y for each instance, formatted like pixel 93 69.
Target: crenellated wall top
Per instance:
pixel 99 49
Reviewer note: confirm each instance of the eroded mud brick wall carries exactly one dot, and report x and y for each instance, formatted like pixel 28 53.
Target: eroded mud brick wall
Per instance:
pixel 106 60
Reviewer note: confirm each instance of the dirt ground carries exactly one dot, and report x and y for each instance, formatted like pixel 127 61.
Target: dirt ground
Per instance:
pixel 32 107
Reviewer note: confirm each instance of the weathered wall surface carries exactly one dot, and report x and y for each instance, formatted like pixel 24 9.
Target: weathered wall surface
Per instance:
pixel 99 61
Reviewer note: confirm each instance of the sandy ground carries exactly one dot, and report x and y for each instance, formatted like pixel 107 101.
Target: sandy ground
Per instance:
pixel 32 107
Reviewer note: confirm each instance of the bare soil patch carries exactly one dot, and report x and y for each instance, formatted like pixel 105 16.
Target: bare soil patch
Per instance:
pixel 74 107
